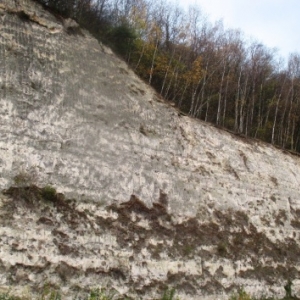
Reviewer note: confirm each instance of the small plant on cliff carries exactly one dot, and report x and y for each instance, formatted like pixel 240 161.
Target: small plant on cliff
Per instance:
pixel 222 249
pixel 49 193
pixel 6 296
pixel 240 295
pixel 288 291
pixel 25 178
pixel 49 293
pixel 169 295
pixel 101 294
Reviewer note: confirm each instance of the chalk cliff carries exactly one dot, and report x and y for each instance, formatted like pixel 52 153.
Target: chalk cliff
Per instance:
pixel 157 199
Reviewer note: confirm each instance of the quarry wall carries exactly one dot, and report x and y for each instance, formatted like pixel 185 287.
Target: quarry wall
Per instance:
pixel 156 199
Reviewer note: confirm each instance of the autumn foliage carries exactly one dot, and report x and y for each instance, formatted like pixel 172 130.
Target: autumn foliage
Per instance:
pixel 211 73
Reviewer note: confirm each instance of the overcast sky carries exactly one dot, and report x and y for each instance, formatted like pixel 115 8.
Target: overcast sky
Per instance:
pixel 275 23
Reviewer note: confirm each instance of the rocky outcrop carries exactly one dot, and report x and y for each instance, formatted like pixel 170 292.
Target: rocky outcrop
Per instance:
pixel 156 199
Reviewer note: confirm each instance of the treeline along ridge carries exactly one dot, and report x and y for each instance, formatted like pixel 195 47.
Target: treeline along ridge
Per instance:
pixel 211 73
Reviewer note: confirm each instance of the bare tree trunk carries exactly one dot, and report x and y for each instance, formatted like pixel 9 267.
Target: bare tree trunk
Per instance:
pixel 193 109
pixel 275 120
pixel 237 100
pixel 225 100
pixel 289 114
pixel 207 107
pixel 174 75
pixel 183 93
pixel 141 56
pixel 153 60
pixel 220 94
pixel 242 105
pixel 200 105
pixel 281 128
pixel 166 74
pixel 259 115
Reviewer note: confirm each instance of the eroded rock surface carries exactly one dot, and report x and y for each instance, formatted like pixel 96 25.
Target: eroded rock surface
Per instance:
pixel 159 199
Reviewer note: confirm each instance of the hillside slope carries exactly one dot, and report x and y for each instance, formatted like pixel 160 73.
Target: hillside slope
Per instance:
pixel 159 199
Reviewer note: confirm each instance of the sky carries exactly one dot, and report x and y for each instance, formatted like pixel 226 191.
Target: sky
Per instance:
pixel 274 23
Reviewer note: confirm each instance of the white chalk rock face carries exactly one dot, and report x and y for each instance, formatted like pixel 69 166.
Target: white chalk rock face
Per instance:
pixel 157 199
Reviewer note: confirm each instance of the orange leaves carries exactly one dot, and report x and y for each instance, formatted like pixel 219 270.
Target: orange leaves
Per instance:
pixel 195 73
pixel 138 17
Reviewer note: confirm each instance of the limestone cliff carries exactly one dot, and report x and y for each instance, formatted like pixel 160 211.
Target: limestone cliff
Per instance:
pixel 158 199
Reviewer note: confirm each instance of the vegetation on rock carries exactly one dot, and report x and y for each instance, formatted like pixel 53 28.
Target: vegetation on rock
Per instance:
pixel 103 294
pixel 209 72
pixel 187 238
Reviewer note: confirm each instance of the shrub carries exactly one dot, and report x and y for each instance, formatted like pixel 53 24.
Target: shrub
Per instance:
pixel 240 295
pixel 168 294
pixel 24 178
pixel 49 193
pixel 101 294
pixel 6 296
pixel 121 37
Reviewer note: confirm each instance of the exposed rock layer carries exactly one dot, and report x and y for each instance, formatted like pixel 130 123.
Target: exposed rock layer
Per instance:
pixel 161 199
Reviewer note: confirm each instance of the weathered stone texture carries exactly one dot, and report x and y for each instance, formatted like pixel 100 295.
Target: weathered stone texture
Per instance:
pixel 161 199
